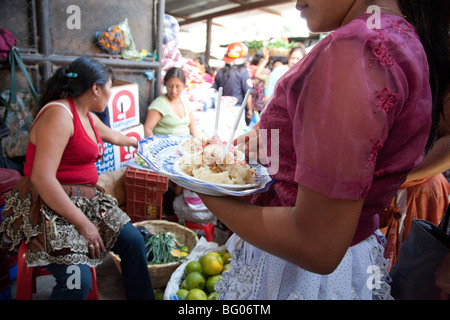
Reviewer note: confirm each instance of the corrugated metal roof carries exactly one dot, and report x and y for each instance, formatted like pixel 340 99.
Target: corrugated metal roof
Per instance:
pixel 190 11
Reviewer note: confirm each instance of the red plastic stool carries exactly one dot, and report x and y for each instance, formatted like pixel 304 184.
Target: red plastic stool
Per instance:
pixel 209 229
pixel 26 277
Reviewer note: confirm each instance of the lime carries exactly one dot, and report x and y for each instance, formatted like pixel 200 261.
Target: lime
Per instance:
pixel 226 258
pixel 213 296
pixel 196 294
pixel 193 266
pixel 159 295
pixel 226 267
pixel 211 282
pixel 195 280
pixel 182 293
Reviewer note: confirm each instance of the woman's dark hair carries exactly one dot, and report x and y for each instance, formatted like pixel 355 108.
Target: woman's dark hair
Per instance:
pixel 257 57
pixel 300 47
pixel 75 79
pixel 175 73
pixel 431 19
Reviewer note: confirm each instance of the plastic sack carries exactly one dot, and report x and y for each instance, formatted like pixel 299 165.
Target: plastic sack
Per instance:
pixel 202 247
pixel 129 52
pixel 186 213
pixel 111 41
pixel 171 29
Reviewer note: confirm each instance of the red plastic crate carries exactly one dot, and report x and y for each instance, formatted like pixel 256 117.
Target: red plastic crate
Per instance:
pixel 144 191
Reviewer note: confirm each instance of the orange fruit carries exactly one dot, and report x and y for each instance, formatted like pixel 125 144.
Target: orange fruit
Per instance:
pixel 178 253
pixel 212 263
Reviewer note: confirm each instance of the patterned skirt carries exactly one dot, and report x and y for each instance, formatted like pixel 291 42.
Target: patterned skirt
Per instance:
pixel 50 237
pixel 258 275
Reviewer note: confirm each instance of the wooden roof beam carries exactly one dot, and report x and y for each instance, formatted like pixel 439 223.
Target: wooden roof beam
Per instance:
pixel 241 8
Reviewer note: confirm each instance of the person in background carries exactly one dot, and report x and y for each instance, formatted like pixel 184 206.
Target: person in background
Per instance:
pixel 171 113
pixel 56 207
pixel 425 193
pixel 203 67
pixel 259 74
pixel 352 121
pixel 234 77
pixel 279 69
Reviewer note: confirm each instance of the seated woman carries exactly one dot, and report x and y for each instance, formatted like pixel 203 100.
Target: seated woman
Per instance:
pixel 56 207
pixel 171 113
pixel 204 68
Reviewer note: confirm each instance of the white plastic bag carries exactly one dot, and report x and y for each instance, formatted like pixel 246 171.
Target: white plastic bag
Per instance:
pixel 203 246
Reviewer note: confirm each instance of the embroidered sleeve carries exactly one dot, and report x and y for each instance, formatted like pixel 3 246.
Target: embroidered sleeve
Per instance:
pixel 348 100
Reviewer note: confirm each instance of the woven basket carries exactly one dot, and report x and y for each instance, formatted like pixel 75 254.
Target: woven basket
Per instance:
pixel 160 274
pixel 279 52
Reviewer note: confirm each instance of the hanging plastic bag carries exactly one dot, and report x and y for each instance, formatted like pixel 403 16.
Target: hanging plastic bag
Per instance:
pixel 111 41
pixel 129 52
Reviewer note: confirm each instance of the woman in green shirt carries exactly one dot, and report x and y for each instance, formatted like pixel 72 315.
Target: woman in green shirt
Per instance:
pixel 171 113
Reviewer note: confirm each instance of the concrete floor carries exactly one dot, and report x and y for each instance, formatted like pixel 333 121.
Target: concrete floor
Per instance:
pixel 109 279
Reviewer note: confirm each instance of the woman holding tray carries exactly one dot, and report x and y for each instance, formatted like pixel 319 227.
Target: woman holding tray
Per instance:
pixel 353 119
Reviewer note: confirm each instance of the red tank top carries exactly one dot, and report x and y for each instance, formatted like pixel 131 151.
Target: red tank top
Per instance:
pixel 78 160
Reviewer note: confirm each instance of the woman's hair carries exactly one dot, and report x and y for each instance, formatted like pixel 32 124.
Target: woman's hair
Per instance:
pixel 175 73
pixel 431 19
pixel 75 79
pixel 202 60
pixel 300 47
pixel 257 57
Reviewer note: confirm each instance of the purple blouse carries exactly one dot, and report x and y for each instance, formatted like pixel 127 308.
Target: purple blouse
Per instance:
pixel 353 118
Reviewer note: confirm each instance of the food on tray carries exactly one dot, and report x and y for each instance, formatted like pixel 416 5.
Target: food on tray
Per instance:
pixel 140 161
pixel 205 160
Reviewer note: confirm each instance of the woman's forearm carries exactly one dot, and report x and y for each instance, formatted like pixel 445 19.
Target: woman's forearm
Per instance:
pixel 436 161
pixel 314 237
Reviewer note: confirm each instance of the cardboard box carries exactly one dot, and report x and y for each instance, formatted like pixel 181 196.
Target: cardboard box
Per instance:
pixel 123 105
pixel 115 157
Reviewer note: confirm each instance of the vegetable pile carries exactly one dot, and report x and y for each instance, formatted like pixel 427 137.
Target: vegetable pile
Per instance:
pixel 274 43
pixel 164 248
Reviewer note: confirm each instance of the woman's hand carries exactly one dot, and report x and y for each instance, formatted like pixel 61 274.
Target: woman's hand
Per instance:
pixel 249 115
pixel 250 144
pixel 92 236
